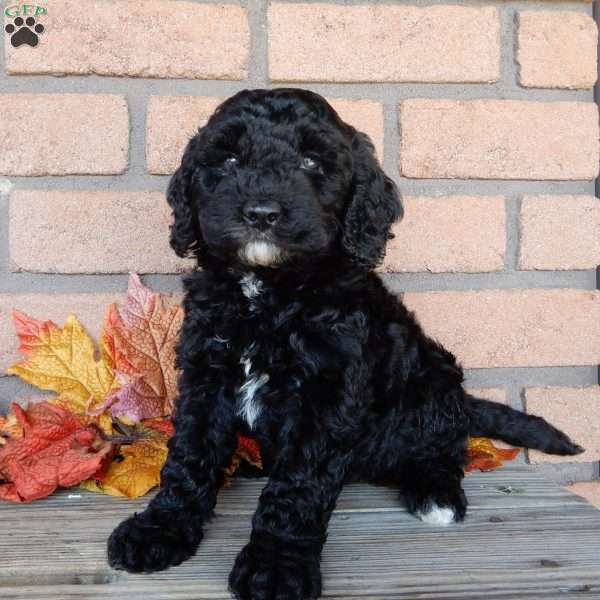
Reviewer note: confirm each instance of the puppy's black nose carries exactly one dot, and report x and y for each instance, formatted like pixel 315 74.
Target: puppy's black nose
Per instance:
pixel 263 215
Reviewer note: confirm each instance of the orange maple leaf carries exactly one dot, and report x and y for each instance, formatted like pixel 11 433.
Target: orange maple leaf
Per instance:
pixel 483 455
pixel 56 449
pixel 141 338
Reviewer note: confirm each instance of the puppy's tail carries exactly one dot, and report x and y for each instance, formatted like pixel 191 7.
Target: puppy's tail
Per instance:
pixel 491 419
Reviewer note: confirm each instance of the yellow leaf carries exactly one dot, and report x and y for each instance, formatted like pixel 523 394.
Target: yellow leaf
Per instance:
pixel 63 360
pixel 135 472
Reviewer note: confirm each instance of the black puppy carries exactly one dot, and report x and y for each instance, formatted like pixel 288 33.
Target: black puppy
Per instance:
pixel 289 336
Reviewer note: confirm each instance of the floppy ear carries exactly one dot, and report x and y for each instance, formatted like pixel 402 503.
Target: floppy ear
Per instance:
pixel 186 238
pixel 374 205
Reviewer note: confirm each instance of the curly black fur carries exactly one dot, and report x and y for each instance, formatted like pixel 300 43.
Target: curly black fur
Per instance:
pixel 291 337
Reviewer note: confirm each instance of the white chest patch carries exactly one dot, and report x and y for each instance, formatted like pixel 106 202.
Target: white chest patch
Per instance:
pixel 437 515
pixel 247 404
pixel 251 286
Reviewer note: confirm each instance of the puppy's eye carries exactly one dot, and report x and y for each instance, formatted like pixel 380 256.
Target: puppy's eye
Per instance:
pixel 310 164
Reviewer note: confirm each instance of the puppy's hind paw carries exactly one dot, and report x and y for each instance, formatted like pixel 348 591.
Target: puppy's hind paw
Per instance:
pixel 140 544
pixel 440 509
pixel 437 515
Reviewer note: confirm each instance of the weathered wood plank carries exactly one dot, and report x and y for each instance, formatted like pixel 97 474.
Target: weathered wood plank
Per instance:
pixel 516 485
pixel 497 590
pixel 537 541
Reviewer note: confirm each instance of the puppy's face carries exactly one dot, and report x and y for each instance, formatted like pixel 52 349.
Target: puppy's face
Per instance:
pixel 272 178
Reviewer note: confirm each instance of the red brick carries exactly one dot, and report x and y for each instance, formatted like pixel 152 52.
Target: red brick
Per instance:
pixel 576 411
pixel 560 232
pixel 513 328
pixel 62 134
pixel 149 38
pixel 375 42
pixel 557 49
pixel 171 122
pixel 118 232
pixel 453 234
pixel 365 115
pixel 499 139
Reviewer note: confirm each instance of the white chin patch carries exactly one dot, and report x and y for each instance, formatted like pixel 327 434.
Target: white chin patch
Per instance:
pixel 261 253
pixel 437 515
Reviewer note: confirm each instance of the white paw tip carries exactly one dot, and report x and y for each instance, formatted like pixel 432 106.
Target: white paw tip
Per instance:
pixel 437 515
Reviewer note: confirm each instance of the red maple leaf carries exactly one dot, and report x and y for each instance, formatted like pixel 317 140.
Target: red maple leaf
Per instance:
pixel 249 449
pixel 57 449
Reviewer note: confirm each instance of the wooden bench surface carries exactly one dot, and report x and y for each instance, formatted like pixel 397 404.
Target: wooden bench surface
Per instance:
pixel 524 537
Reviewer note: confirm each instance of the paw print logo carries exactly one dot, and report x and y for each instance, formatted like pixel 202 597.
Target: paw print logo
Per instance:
pixel 24 32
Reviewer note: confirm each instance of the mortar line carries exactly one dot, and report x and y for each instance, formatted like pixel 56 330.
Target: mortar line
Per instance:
pixel 514 396
pixel 258 53
pixel 572 5
pixel 26 282
pixel 5 186
pixel 391 139
pixel 138 107
pixel 523 401
pixel 513 209
pixel 518 377
pixel 149 181
pixel 507 35
pixel 375 90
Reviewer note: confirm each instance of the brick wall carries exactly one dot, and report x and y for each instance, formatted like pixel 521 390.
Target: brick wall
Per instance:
pixel 481 110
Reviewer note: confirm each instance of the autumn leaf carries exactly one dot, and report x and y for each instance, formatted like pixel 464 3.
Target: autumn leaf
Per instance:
pixel 140 338
pixel 483 455
pixel 56 449
pixel 163 425
pixel 248 450
pixel 136 401
pixel 151 429
pixel 126 389
pixel 9 427
pixel 63 360
pixel 134 472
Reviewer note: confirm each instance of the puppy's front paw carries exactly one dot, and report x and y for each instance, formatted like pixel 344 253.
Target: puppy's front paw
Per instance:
pixel 264 575
pixel 143 544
